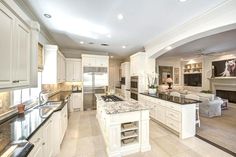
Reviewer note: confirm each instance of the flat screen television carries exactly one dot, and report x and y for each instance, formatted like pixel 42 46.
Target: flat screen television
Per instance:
pixel 193 80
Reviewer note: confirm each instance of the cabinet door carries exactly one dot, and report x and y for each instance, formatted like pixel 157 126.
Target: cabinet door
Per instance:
pixel 77 103
pixel 58 68
pixel 21 68
pixel 7 22
pixel 69 71
pixel 77 71
pixel 48 138
pixel 160 114
pixel 89 62
pixel 101 62
pixel 38 152
pixel 62 69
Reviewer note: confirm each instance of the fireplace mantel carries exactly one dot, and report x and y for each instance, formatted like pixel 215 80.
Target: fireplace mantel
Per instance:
pixel 223 83
pixel 222 78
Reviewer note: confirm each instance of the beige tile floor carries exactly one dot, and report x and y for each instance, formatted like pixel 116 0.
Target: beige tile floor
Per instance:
pixel 84 139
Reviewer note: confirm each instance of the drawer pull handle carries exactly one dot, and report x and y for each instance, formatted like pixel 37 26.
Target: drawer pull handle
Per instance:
pixel 36 141
pixel 16 81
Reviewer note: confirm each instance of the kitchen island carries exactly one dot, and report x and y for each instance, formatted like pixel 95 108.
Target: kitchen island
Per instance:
pixel 124 125
pixel 177 114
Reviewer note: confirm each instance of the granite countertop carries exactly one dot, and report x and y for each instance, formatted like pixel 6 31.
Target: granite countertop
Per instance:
pixel 23 126
pixel 123 106
pixel 174 99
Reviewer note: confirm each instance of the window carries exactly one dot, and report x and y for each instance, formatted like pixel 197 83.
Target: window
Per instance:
pixel 23 95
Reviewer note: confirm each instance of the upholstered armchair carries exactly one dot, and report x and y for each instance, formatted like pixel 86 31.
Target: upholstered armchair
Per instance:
pixel 210 108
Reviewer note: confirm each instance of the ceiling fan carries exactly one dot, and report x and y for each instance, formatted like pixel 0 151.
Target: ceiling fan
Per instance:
pixel 203 52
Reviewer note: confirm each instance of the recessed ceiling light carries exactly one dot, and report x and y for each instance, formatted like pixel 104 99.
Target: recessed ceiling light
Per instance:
pixel 182 0
pixel 112 56
pixel 120 17
pixel 168 48
pixel 47 16
pixel 81 42
pixel 123 46
pixel 104 44
pixel 91 43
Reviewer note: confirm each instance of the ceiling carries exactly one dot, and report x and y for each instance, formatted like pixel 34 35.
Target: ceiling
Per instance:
pixel 211 45
pixel 96 22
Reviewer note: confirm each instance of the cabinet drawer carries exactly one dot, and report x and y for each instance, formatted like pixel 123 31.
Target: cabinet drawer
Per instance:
pixel 173 124
pixel 36 139
pixel 173 115
pixel 173 106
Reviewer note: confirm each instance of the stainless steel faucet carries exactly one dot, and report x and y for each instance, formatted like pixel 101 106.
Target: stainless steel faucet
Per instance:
pixel 40 97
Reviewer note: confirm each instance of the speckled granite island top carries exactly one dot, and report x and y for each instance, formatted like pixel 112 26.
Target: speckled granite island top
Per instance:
pixel 123 106
pixel 174 99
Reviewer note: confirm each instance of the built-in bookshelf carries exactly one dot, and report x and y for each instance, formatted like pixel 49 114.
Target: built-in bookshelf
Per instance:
pixel 129 133
pixel 193 68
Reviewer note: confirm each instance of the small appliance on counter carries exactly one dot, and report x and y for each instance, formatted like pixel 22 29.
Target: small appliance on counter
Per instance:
pixel 75 88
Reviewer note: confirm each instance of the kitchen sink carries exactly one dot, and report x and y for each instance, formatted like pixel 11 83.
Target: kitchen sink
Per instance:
pixel 46 109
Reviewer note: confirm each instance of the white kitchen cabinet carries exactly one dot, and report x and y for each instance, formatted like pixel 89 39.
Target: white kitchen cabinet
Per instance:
pixel 73 70
pixel 37 141
pixel 177 117
pixel 95 61
pixel 7 25
pixel 15 50
pixel 53 65
pixel 125 72
pixel 48 138
pixel 77 101
pixel 137 64
pixel 64 121
pixel 21 61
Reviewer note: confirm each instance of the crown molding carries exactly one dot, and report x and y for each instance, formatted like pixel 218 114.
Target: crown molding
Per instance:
pixel 28 10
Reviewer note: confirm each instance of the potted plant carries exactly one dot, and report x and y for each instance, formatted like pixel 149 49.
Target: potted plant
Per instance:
pixel 152 83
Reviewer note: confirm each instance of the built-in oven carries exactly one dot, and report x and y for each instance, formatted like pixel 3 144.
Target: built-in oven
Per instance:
pixel 122 81
pixel 134 95
pixel 134 82
pixel 134 87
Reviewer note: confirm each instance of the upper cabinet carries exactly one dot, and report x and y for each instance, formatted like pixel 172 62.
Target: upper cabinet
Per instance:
pixel 54 65
pixel 95 61
pixel 73 70
pixel 40 57
pixel 137 64
pixel 15 50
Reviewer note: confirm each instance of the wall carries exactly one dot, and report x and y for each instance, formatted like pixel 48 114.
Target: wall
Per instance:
pixel 206 65
pixel 201 26
pixel 175 62
pixel 75 53
pixel 114 73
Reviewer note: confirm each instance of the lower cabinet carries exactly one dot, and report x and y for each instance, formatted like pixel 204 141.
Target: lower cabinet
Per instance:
pixel 179 118
pixel 76 101
pixel 49 136
pixel 37 141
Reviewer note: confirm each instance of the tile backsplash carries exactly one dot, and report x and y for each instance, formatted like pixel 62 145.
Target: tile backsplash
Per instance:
pixel 5 99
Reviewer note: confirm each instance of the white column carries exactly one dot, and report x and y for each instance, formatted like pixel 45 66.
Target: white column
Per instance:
pixel 144 128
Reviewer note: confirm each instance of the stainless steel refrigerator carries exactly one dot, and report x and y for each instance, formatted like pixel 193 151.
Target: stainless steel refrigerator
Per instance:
pixel 95 80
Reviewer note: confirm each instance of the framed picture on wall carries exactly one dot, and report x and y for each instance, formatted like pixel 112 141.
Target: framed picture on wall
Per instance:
pixel 163 72
pixel 176 76
pixel 224 68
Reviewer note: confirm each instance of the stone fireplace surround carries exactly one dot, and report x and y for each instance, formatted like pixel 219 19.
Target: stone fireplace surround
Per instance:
pixel 221 84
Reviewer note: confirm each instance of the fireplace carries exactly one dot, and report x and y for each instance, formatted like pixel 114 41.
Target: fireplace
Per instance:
pixel 230 95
